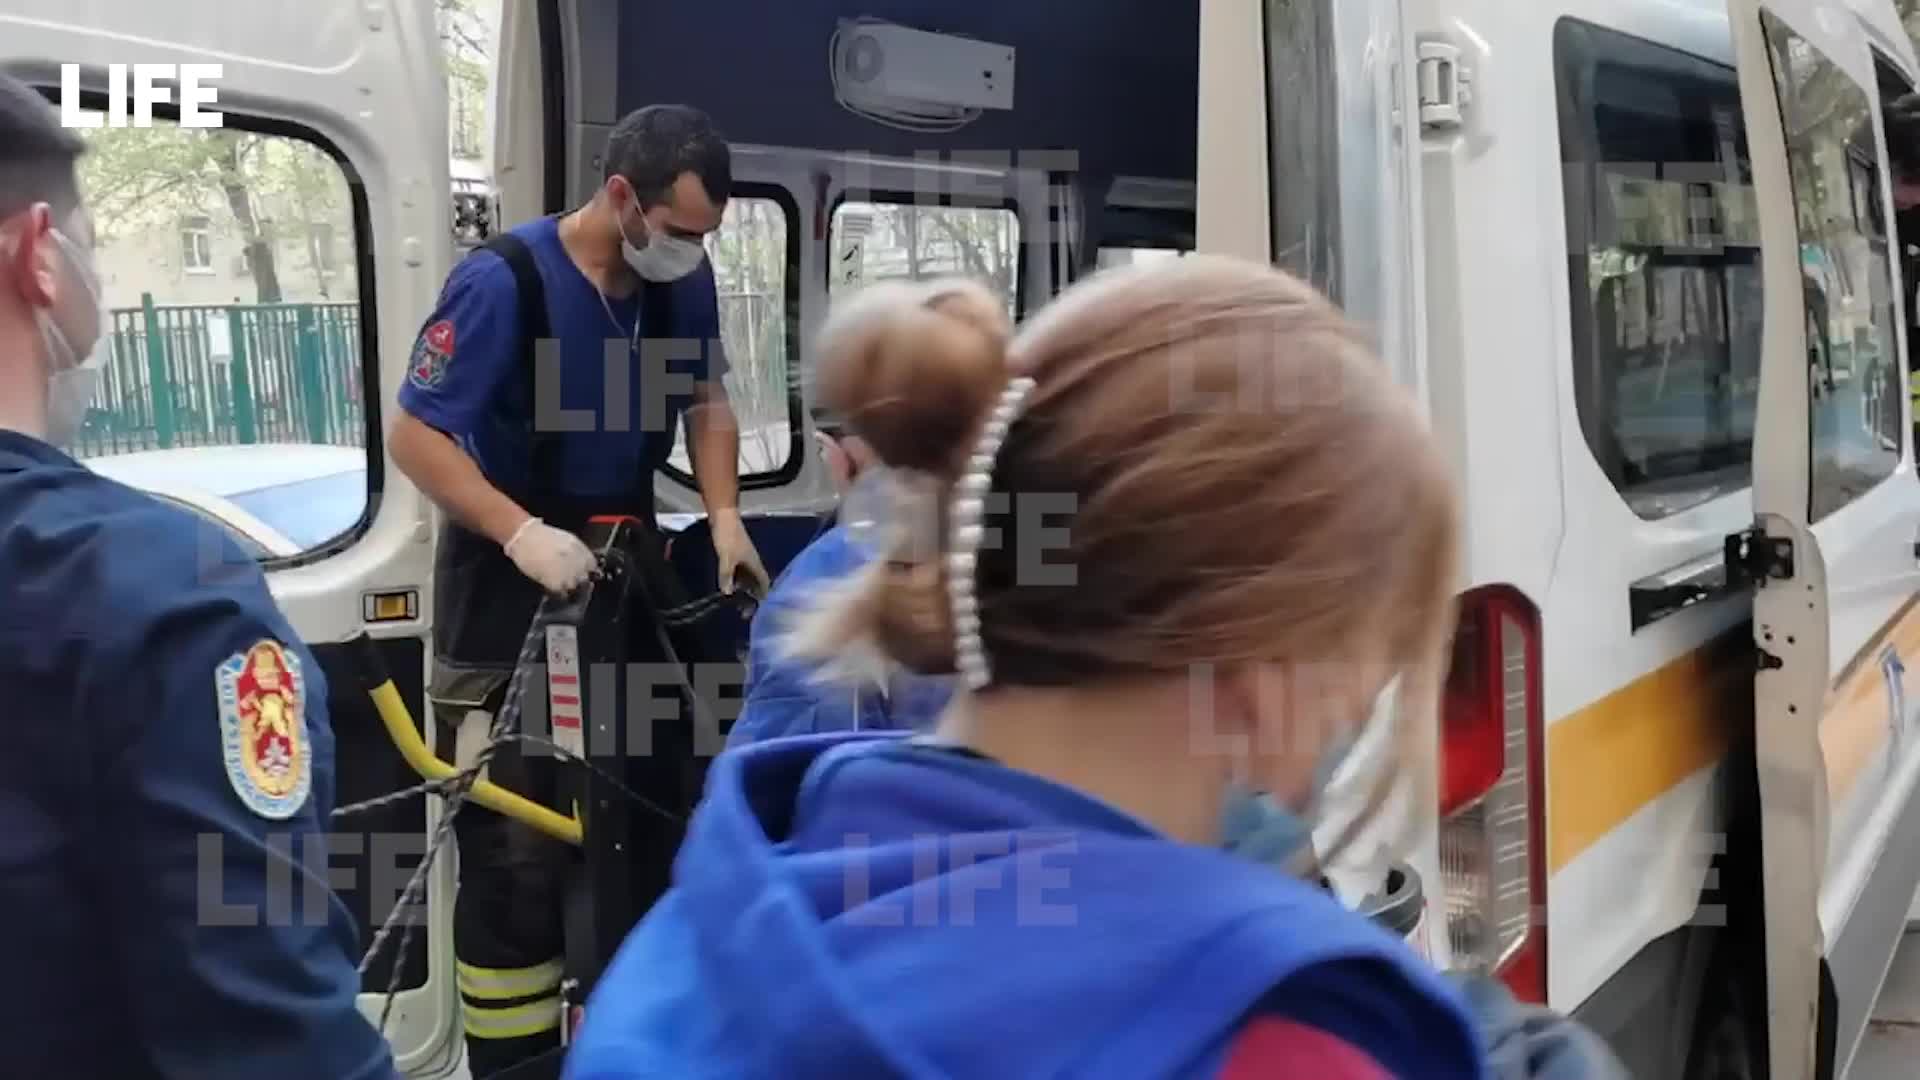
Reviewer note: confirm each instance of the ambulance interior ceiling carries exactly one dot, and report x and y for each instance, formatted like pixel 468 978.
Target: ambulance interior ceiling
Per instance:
pixel 1117 83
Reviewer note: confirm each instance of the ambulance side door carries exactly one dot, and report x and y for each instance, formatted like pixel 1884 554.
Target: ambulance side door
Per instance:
pixel 1836 504
pixel 265 280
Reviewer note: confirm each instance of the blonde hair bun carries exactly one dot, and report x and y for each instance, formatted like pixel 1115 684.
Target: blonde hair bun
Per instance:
pixel 914 366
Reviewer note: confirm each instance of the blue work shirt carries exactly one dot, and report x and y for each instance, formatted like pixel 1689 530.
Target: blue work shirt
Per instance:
pixel 164 795
pixel 858 906
pixel 788 697
pixel 468 377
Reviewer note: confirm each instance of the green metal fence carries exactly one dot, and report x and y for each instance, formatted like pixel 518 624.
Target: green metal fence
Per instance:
pixel 219 375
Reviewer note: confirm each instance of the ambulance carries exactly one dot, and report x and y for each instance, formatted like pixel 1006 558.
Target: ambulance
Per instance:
pixel 1637 257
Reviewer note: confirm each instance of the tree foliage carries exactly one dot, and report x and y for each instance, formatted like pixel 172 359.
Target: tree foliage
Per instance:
pixel 142 179
pixel 258 186
pixel 467 50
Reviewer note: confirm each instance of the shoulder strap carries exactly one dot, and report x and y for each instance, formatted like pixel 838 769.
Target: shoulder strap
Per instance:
pixel 656 307
pixel 656 322
pixel 535 326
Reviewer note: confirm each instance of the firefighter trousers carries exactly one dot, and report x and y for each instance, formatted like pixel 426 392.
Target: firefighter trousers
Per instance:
pixel 508 913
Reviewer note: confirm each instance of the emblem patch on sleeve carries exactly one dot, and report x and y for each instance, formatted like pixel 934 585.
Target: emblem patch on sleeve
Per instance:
pixel 428 366
pixel 263 729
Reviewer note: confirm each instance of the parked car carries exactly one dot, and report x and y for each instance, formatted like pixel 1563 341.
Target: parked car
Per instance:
pixel 277 500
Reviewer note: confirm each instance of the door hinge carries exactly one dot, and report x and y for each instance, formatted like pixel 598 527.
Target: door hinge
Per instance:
pixel 1445 85
pixel 1753 558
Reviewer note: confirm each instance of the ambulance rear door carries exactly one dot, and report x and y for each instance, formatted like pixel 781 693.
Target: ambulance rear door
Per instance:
pixel 1832 553
pixel 265 280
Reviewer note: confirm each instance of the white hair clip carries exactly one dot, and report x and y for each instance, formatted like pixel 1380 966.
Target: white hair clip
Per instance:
pixel 968 528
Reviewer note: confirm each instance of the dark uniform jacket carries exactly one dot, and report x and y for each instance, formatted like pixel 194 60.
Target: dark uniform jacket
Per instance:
pixel 164 786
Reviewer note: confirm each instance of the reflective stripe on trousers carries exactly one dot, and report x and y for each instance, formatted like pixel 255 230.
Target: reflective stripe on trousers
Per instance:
pixel 509 1003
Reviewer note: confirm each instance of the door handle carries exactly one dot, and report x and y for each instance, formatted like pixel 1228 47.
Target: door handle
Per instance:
pixel 1702 578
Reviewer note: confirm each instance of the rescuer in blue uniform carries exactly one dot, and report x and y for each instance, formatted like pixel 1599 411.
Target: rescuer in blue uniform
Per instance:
pixel 168 769
pixel 519 446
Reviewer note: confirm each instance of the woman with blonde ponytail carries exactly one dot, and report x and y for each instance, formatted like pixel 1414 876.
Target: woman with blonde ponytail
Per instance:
pixel 1173 540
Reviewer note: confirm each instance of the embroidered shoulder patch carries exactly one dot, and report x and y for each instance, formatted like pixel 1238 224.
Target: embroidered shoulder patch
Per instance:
pixel 427 368
pixel 263 729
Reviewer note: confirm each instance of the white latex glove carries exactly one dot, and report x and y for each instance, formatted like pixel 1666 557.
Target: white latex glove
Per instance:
pixel 734 551
pixel 555 558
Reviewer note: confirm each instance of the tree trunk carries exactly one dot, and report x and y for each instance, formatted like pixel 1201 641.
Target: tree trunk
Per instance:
pixel 266 276
pixel 969 251
pixel 319 265
pixel 910 227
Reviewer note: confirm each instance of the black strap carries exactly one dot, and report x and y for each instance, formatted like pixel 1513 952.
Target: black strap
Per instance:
pixel 543 447
pixel 656 317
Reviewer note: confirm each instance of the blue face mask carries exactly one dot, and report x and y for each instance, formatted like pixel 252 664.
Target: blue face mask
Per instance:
pixel 1259 828
pixel 1255 827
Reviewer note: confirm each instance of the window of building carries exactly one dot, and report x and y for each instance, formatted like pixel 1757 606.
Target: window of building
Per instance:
pixel 196 245
pixel 886 240
pixel 206 370
pixel 1664 267
pixel 755 253
pixel 1844 247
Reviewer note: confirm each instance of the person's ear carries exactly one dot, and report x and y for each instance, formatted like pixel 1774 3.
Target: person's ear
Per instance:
pixel 33 259
pixel 838 461
pixel 859 452
pixel 1222 715
pixel 625 202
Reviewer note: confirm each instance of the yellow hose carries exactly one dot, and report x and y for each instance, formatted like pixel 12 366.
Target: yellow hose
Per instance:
pixel 406 738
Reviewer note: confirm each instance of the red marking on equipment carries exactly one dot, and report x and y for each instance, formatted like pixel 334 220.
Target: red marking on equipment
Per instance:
pixel 561 699
pixel 567 680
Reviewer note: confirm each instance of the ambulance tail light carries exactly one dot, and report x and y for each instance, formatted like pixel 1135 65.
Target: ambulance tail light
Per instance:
pixel 1492 810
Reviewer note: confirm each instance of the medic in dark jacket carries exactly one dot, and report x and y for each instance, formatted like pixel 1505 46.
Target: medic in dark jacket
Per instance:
pixel 1171 598
pixel 168 766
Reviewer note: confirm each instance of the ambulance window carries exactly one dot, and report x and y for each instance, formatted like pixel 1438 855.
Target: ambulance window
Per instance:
pixel 754 253
pixel 1851 354
pixel 1663 267
pixel 1109 257
pixel 899 239
pixel 231 269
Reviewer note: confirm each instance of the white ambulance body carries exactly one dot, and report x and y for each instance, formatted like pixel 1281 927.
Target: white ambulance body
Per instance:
pixel 1709 783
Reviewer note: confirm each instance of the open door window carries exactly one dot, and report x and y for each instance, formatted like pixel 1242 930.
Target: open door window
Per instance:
pixel 1834 497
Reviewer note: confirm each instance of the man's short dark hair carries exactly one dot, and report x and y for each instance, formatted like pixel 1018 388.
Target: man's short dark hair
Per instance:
pixel 654 146
pixel 37 155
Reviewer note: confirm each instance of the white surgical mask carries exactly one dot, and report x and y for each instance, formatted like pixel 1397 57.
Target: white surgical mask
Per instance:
pixel 665 258
pixel 74 377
